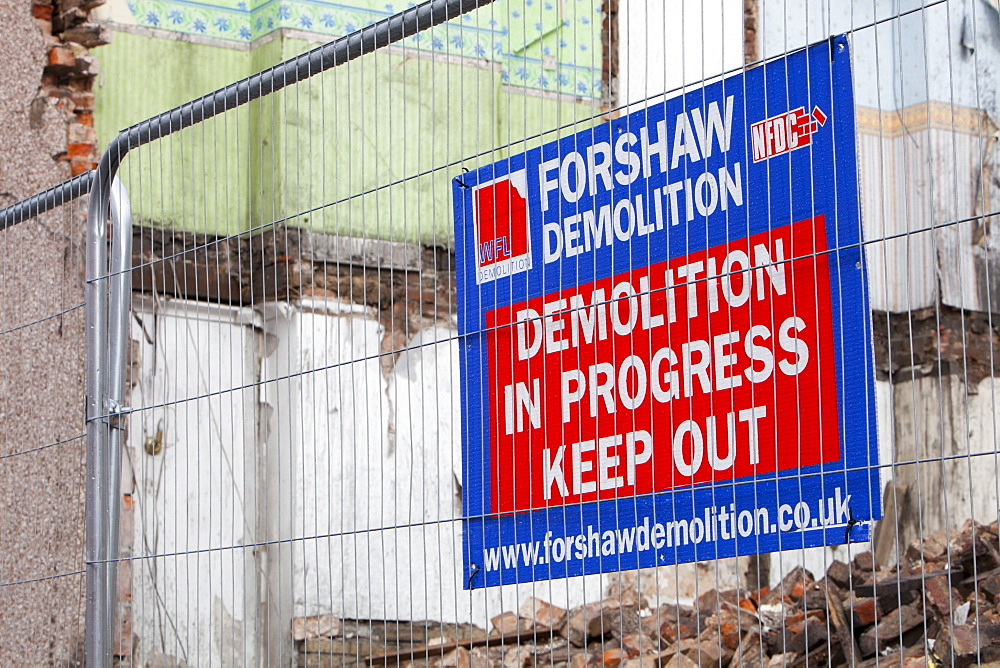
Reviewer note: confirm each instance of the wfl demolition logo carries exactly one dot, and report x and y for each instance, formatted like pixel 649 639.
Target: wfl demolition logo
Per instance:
pixel 785 132
pixel 500 210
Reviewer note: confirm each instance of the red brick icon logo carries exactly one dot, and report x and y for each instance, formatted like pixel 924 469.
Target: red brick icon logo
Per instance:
pixel 500 210
pixel 785 132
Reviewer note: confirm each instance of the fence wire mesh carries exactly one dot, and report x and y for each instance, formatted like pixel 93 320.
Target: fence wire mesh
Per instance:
pixel 42 454
pixel 337 450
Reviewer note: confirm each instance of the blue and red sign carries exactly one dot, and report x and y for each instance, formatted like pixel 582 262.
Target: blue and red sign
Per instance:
pixel 665 334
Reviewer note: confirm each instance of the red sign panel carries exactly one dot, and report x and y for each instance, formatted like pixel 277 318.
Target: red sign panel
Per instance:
pixel 711 366
pixel 502 222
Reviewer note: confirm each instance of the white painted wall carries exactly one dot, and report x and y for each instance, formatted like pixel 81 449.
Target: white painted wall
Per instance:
pixel 666 44
pixel 345 476
pixel 372 461
pixel 905 51
pixel 193 501
pixel 947 453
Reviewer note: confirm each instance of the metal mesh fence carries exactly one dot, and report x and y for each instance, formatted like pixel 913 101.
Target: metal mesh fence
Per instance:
pixel 573 333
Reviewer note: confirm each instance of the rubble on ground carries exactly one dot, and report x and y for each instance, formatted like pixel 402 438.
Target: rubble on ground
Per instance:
pixel 939 606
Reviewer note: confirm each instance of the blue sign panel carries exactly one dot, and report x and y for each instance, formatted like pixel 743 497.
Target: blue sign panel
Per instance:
pixel 665 337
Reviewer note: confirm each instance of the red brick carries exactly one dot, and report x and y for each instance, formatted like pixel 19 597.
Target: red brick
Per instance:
pixel 613 657
pixel 78 133
pixel 42 11
pixel 708 653
pixel 638 643
pixel 941 595
pixel 85 118
pixel 731 636
pixel 506 624
pixel 865 611
pixel 668 632
pixel 80 150
pixel 542 613
pixel 83 100
pixel 589 621
pixel 991 585
pixel 80 165
pixel 889 629
pixel 865 562
pixel 929 548
pixel 62 57
pixel 840 574
pixel 802 616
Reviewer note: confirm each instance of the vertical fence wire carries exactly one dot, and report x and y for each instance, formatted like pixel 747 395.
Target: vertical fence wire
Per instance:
pixel 314 469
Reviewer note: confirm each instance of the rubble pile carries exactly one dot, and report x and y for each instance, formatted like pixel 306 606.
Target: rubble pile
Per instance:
pixel 939 606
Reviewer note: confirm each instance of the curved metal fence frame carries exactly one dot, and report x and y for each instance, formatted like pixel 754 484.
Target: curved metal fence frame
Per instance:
pixel 108 278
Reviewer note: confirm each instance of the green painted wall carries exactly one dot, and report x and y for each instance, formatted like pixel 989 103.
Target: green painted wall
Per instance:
pixel 520 35
pixel 197 179
pixel 367 149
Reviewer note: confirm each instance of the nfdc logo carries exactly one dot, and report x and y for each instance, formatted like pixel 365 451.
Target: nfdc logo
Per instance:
pixel 785 132
pixel 500 216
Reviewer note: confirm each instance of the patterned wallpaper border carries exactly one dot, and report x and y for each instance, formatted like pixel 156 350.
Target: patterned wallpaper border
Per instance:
pixel 549 45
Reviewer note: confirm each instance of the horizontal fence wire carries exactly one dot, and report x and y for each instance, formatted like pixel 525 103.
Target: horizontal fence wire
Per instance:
pixel 80 185
pixel 423 523
pixel 610 302
pixel 316 467
pixel 43 447
pixel 214 389
pixel 41 454
pixel 41 579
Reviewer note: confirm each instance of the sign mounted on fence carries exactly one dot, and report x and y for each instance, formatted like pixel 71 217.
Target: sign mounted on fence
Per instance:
pixel 665 334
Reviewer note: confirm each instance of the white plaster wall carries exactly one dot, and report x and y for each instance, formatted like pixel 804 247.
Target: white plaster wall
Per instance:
pixel 946 453
pixel 344 478
pixel 345 474
pixel 197 603
pixel 368 468
pixel 904 51
pixel 666 44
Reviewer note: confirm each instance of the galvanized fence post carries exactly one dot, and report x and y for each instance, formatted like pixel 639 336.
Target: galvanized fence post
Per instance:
pixel 108 297
pixel 108 287
pixel 408 516
pixel 98 645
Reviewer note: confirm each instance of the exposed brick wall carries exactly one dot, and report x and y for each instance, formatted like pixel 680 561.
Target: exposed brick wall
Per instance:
pixel 69 74
pixel 750 49
pixel 609 59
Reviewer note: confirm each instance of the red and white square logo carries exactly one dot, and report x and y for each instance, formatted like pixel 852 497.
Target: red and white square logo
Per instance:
pixel 500 217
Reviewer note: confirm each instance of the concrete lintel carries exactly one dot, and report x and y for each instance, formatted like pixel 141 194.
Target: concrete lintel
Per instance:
pixel 318 247
pixel 180 307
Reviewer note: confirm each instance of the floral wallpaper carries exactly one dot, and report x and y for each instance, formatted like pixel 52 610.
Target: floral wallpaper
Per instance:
pixel 551 45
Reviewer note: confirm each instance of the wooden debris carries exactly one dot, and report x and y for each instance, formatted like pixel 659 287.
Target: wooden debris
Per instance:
pixel 939 606
pixel 841 623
